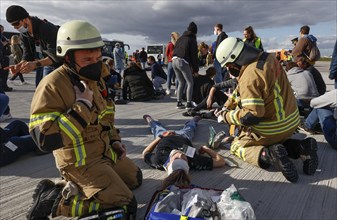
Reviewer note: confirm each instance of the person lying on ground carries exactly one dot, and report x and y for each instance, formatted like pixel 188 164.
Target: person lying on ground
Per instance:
pixel 170 152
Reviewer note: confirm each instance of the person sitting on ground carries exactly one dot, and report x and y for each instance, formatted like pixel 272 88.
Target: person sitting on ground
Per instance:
pixel 158 75
pixel 303 84
pixel 304 64
pixel 73 116
pixel 264 106
pixel 16 141
pixel 136 84
pixel 170 156
pixel 4 107
pixel 324 112
pixel 202 85
pixel 215 95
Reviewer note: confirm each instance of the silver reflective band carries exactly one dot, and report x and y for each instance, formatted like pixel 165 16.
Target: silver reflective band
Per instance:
pixel 226 58
pixel 79 42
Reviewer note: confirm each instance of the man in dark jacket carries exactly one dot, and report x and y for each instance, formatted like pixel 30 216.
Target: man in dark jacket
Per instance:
pixel 185 58
pixel 143 57
pixel 221 36
pixel 136 85
pixel 158 75
pixel 33 30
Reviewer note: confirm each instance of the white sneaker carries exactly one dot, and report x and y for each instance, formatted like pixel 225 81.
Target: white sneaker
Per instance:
pixel 5 117
pixel 23 83
pixel 168 91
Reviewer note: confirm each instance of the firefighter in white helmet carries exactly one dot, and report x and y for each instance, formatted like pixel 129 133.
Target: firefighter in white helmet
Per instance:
pixel 264 109
pixel 72 116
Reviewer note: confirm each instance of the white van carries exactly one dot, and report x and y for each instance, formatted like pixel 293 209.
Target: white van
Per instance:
pixel 155 49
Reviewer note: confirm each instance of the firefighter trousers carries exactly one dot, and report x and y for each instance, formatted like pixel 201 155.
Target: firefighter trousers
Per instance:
pixel 248 145
pixel 102 185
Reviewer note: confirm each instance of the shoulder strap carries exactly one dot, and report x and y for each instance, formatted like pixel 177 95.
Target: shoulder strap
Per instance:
pixel 262 60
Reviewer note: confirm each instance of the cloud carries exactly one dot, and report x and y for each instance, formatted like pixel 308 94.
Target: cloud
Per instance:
pixel 153 21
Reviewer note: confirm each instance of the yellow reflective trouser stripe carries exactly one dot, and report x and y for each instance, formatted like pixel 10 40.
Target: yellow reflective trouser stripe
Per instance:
pixel 235 146
pixel 77 206
pixel 74 134
pixel 234 117
pixel 94 206
pixel 278 102
pixel 37 119
pixel 252 101
pixel 108 110
pixel 183 217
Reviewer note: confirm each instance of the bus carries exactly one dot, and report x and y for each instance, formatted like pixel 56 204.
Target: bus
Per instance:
pixel 155 49
pixel 109 46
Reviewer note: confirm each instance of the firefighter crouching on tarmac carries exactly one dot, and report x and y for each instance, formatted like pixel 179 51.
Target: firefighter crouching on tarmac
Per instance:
pixel 72 116
pixel 265 109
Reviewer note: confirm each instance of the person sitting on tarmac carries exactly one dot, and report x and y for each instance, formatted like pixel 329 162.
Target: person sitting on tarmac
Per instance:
pixel 264 106
pixel 72 115
pixel 170 147
pixel 15 141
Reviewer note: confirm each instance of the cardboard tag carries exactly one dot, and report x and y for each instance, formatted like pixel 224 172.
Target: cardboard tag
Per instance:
pixel 188 151
pixel 11 146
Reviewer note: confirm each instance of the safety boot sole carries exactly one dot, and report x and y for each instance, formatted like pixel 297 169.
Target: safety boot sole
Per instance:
pixel 309 155
pixel 280 160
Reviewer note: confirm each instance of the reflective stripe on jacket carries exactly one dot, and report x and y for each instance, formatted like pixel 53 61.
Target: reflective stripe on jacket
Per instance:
pixel 267 95
pixel 76 134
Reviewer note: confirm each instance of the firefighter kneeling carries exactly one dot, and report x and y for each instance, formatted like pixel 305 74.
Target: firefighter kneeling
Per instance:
pixel 72 115
pixel 265 109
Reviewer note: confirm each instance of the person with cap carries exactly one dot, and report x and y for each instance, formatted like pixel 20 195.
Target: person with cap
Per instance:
pixel 73 116
pixel 172 149
pixel 264 107
pixel 294 41
pixel 185 58
pixel 33 29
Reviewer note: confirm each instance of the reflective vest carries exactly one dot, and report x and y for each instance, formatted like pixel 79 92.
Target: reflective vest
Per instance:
pixel 257 42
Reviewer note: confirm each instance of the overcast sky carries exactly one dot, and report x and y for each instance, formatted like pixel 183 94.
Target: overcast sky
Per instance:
pixel 139 23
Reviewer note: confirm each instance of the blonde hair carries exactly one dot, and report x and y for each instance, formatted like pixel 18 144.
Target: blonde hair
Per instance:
pixel 15 39
pixel 174 37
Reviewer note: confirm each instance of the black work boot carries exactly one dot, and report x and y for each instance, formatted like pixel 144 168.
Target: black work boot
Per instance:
pixel 44 197
pixel 278 157
pixel 308 153
pixel 132 209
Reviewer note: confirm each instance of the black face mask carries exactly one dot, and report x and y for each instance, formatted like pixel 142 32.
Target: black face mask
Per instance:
pixel 92 71
pixel 234 72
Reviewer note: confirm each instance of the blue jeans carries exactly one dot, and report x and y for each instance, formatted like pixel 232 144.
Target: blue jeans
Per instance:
pixel 187 131
pixel 327 122
pixel 47 70
pixel 17 133
pixel 4 100
pixel 218 76
pixel 38 76
pixel 170 75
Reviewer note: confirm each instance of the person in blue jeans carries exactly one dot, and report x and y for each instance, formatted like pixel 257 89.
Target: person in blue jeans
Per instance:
pixel 4 100
pixel 333 65
pixel 171 155
pixel 324 112
pixel 15 141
